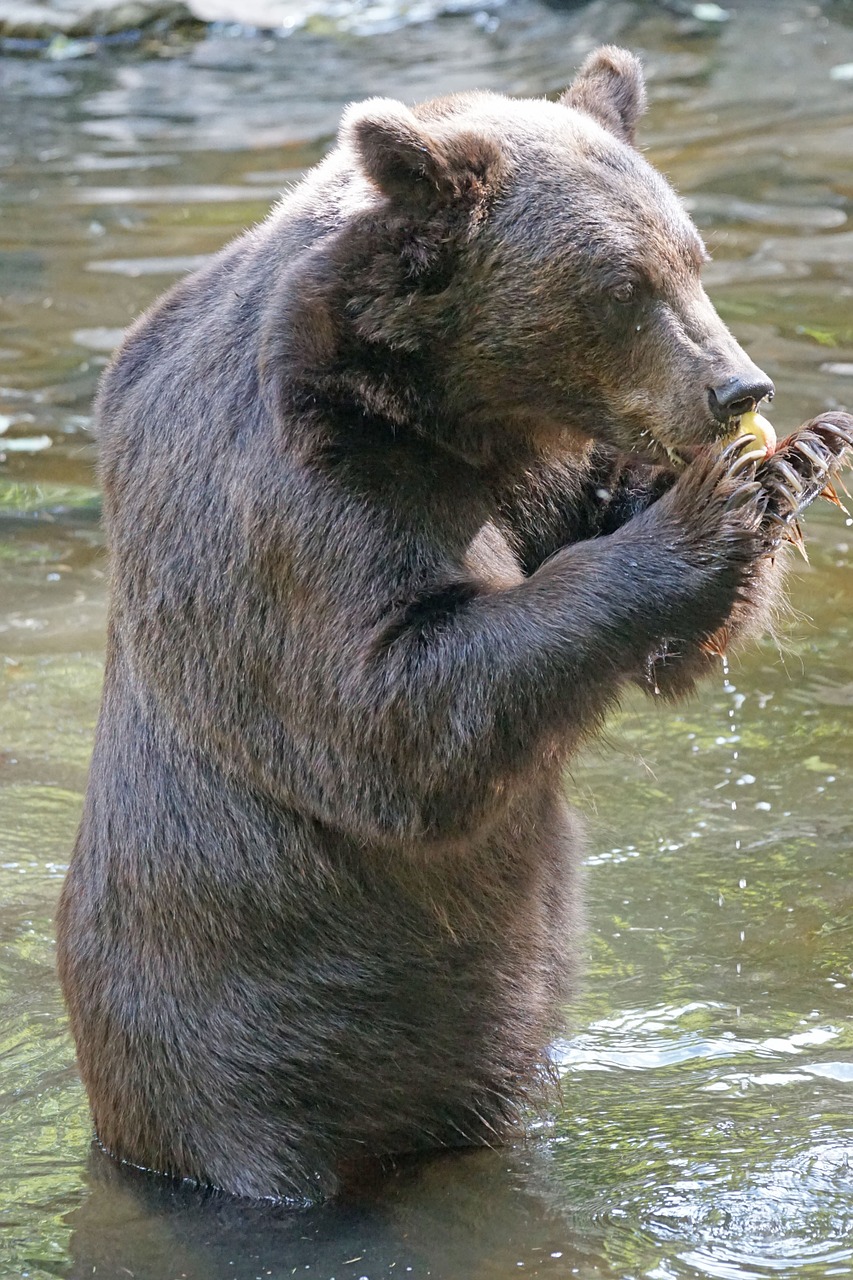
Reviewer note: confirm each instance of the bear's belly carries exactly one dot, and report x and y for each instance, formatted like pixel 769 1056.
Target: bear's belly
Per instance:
pixel 256 1009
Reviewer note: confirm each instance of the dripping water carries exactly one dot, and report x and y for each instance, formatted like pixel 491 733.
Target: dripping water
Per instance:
pixel 732 738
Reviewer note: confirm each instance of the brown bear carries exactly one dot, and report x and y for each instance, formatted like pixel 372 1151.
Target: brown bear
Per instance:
pixel 401 490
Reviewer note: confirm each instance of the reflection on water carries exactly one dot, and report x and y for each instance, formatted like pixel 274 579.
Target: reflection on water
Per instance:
pixel 706 1127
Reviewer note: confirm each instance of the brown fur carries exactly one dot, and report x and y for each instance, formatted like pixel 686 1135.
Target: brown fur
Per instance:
pixel 384 551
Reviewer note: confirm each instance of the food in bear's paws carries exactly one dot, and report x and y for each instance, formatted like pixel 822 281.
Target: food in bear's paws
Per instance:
pixel 753 424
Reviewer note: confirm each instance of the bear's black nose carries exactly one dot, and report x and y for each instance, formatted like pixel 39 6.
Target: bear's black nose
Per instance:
pixel 738 395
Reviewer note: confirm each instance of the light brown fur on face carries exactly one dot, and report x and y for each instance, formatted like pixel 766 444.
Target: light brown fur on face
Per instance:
pixel 582 314
pixel 607 331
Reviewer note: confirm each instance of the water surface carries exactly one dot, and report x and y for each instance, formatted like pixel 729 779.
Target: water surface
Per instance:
pixel 706 1127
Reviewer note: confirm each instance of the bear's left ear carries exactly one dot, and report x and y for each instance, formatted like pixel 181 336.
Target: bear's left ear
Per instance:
pixel 412 164
pixel 610 87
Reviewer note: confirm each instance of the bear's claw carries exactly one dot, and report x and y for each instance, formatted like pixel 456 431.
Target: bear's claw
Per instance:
pixel 743 494
pixel 802 469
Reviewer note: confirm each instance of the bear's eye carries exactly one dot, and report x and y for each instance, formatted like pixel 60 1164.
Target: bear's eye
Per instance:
pixel 623 292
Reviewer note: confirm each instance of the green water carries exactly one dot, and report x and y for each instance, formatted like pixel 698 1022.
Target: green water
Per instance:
pixel 707 1118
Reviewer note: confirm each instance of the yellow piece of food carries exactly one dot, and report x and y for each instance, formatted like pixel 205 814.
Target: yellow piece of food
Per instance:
pixel 753 424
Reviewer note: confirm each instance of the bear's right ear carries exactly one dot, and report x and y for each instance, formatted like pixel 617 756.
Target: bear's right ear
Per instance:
pixel 610 87
pixel 408 163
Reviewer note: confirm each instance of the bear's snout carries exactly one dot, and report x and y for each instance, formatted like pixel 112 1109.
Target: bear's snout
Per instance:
pixel 739 394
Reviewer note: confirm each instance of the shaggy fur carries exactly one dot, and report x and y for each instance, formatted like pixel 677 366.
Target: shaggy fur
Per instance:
pixel 391 521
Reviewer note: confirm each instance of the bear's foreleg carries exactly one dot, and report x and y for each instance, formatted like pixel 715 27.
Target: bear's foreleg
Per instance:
pixel 463 694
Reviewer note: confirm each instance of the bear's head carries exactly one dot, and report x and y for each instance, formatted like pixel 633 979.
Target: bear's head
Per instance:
pixel 528 269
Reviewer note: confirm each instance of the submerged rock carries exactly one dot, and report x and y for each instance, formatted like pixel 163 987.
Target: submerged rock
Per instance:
pixel 23 21
pixel 135 14
pixel 99 19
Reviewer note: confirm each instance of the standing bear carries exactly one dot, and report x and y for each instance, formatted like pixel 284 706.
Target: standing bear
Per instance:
pixel 401 490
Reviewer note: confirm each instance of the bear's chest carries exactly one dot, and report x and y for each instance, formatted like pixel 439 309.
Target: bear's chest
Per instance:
pixel 491 561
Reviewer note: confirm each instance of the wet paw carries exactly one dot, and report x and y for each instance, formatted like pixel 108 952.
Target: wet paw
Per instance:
pixel 802 468
pixel 719 499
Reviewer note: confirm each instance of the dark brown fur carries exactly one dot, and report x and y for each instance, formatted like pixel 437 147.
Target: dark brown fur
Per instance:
pixel 384 551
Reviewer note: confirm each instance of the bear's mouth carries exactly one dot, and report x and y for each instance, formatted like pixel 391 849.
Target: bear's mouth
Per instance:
pixel 680 456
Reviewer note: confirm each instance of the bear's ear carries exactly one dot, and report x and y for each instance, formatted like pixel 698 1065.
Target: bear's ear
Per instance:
pixel 610 87
pixel 407 162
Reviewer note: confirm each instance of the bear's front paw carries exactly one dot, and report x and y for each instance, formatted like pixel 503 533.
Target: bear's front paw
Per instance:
pixel 802 468
pixel 713 523
pixel 720 506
